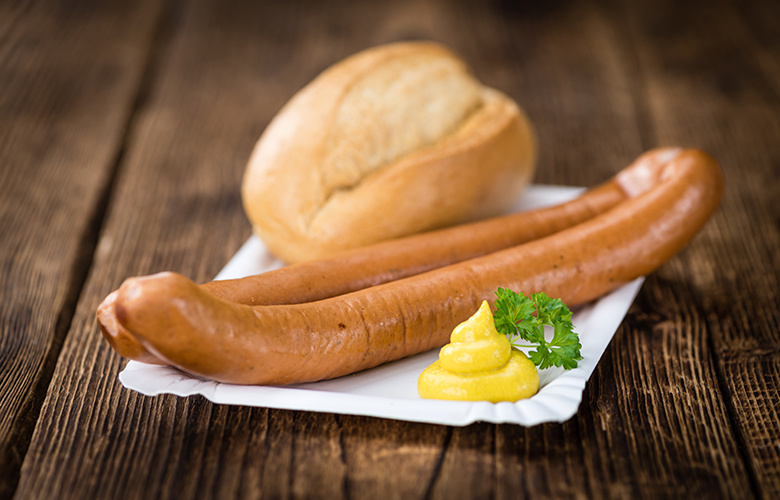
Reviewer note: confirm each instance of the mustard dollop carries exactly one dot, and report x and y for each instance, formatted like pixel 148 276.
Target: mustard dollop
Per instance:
pixel 479 364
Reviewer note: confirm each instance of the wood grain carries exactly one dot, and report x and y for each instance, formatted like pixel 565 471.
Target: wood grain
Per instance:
pixel 68 79
pixel 218 79
pixel 389 458
pixel 721 92
pixel 683 404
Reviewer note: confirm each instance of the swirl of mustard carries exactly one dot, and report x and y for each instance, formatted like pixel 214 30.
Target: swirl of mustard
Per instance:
pixel 479 364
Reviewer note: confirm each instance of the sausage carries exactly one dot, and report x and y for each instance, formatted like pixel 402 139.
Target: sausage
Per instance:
pixel 280 344
pixel 383 262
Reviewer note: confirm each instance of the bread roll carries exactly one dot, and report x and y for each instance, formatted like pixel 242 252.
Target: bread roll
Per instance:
pixel 394 140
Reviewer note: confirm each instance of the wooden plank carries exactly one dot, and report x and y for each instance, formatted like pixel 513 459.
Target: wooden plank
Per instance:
pixel 391 459
pixel 223 70
pixel 652 419
pixel 713 80
pixel 69 79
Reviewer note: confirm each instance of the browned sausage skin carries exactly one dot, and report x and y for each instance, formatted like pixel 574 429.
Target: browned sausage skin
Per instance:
pixel 380 263
pixel 201 334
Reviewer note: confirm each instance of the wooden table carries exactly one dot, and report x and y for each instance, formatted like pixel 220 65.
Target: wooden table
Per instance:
pixel 124 131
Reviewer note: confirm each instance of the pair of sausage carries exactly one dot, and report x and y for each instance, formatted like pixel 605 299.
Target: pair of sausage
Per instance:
pixel 654 208
pixel 380 263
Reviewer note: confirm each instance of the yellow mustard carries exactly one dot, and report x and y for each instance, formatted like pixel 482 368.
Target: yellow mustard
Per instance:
pixel 479 364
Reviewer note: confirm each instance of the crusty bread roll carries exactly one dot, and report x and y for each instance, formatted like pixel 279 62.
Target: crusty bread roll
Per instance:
pixel 394 140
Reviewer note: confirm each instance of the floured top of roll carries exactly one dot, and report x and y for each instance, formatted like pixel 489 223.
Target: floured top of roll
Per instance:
pixel 404 105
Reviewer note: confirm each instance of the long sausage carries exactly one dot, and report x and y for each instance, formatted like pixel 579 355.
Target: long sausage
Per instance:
pixel 392 260
pixel 281 344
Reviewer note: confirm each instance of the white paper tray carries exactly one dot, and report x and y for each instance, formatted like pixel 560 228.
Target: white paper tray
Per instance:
pixel 390 390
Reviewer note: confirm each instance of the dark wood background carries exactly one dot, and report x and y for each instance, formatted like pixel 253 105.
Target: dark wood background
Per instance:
pixel 124 131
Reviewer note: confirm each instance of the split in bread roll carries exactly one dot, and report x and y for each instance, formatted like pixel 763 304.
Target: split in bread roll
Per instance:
pixel 392 141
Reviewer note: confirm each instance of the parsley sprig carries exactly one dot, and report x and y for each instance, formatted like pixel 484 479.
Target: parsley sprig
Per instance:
pixel 514 317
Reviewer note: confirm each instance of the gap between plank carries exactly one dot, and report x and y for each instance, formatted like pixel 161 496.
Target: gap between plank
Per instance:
pixel 648 138
pixel 445 446
pixel 11 462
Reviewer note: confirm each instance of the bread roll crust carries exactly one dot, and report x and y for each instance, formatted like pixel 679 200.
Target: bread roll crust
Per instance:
pixel 392 141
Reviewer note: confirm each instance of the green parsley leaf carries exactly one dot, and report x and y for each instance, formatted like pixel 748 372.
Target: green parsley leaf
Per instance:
pixel 514 317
